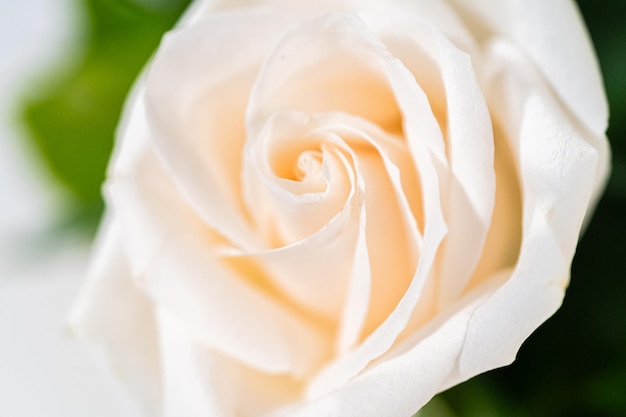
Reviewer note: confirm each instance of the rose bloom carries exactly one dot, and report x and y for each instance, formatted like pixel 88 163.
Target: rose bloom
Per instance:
pixel 342 208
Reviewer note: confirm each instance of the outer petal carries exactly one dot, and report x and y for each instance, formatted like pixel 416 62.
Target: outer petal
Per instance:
pixel 172 254
pixel 554 36
pixel 117 321
pixel 556 167
pixel 401 384
pixel 177 265
pixel 200 382
pixel 196 93
pixel 192 386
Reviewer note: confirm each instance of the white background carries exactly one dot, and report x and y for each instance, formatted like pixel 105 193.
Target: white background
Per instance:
pixel 43 372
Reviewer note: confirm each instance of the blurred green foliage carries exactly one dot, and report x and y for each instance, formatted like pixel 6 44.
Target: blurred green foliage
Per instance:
pixel 73 123
pixel 606 22
pixel 573 366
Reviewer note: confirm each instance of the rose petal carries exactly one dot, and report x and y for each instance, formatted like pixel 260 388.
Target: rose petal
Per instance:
pixel 319 56
pixel 195 108
pixel 192 386
pixel 554 36
pixel 391 232
pixel 317 68
pixel 223 310
pixel 398 385
pixel 438 12
pixel 555 164
pixel 334 31
pixel 286 209
pixel 200 382
pixel 312 270
pixel 173 255
pixel 243 329
pixel 358 293
pixel 532 293
pixel 117 321
pixel 383 167
pixel 453 91
pixel 504 238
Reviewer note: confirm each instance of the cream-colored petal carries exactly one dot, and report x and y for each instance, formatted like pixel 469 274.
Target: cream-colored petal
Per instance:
pixel 554 37
pixel 383 168
pixel 504 238
pixel 398 385
pixel 196 91
pixel 555 164
pixel 192 386
pixel 337 30
pixel 223 327
pixel 175 258
pixel 387 179
pixel 391 232
pixel 334 64
pixel 199 381
pixel 251 393
pixel 454 92
pixel 438 13
pixel 325 64
pixel 116 320
pixel 501 56
pixel 469 203
pixel 356 302
pixel 389 240
pixel 289 201
pixel 556 169
pixel 312 271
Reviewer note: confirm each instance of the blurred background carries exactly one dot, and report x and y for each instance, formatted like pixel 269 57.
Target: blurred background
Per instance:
pixel 65 69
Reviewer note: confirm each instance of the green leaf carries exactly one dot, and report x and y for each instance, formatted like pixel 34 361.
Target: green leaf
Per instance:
pixel 73 123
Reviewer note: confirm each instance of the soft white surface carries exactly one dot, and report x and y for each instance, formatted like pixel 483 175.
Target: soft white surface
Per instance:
pixel 43 372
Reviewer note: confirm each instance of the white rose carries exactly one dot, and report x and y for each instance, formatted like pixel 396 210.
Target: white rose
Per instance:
pixel 342 209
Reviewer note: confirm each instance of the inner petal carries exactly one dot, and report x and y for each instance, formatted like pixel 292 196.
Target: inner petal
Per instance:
pixel 391 234
pixel 423 140
pixel 326 51
pixel 382 165
pixel 196 109
pixel 294 180
pixel 447 75
pixel 316 70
